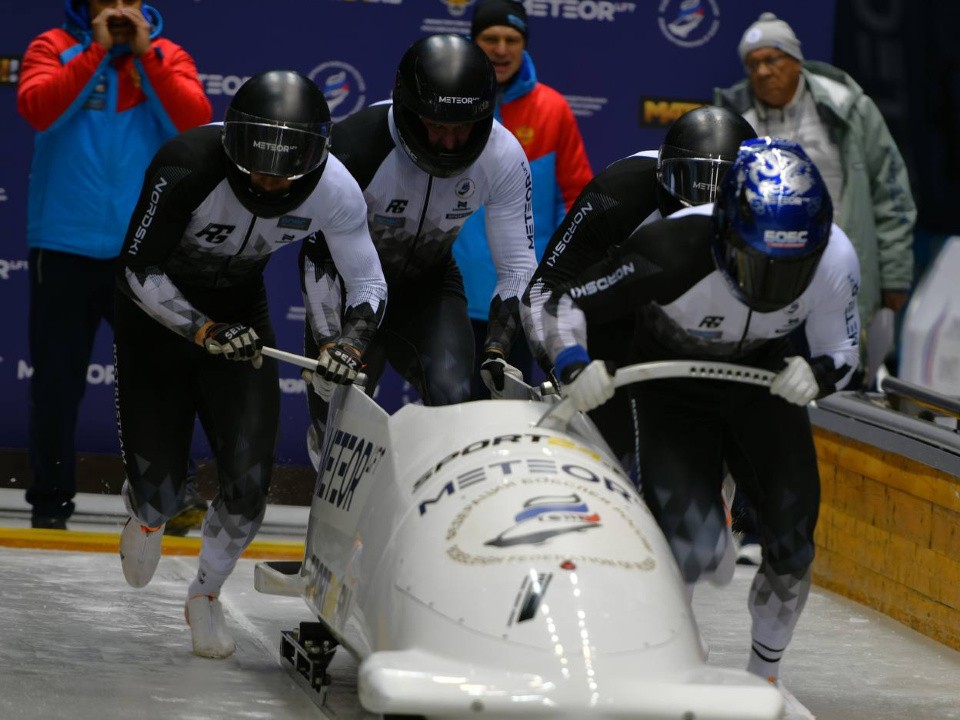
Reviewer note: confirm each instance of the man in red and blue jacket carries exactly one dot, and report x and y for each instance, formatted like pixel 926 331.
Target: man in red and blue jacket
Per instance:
pixel 543 122
pixel 103 92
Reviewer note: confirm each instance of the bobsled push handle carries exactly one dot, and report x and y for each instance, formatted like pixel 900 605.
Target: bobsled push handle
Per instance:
pixel 561 413
pixel 298 360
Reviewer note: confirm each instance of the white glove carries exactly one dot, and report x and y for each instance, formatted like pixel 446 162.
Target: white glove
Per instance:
pixel 589 387
pixel 796 383
pixel 492 372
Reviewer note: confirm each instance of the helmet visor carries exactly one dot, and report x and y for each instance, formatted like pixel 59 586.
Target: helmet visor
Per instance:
pixel 692 179
pixel 260 145
pixel 768 283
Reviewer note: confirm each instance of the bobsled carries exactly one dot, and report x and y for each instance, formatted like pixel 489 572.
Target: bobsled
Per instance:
pixel 492 559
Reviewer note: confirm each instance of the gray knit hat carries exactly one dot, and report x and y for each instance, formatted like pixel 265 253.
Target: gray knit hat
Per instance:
pixel 769 31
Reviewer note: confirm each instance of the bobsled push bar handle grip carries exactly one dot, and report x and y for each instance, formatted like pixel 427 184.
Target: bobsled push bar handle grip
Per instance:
pixel 298 360
pixel 560 414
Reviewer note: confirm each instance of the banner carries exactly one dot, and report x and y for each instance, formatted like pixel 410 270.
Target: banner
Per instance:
pixel 628 69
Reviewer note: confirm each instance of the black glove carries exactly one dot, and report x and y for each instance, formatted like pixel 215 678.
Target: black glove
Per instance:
pixel 339 363
pixel 235 341
pixel 493 368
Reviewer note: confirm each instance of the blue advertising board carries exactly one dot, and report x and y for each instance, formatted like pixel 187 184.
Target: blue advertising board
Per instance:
pixel 628 69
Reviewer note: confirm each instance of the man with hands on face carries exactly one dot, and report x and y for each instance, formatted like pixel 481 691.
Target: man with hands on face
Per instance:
pixel 103 93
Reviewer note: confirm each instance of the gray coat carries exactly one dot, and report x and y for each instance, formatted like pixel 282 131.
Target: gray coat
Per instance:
pixel 876 208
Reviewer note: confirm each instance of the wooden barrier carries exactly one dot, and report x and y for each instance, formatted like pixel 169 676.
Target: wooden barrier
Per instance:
pixel 889 534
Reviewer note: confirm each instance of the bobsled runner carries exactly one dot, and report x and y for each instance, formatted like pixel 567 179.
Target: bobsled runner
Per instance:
pixel 491 559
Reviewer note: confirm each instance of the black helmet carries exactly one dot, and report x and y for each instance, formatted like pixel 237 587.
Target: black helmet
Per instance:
pixel 278 123
pixel 699 148
pixel 446 79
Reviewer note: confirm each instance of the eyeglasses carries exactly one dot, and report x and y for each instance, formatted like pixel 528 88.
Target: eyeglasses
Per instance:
pixel 771 61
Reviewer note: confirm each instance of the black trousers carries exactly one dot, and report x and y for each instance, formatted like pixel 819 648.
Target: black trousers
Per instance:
pixel 688 429
pixel 69 296
pixel 165 382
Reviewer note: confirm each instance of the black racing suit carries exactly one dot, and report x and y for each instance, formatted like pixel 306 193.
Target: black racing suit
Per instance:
pixel 688 429
pixel 414 219
pixel 195 251
pixel 611 206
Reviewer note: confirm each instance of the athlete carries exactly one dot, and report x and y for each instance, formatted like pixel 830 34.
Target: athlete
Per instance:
pixel 697 150
pixel 217 201
pixel 426 162
pixel 728 281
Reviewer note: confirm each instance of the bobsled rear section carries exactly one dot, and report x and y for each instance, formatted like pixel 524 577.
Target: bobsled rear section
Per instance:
pixel 476 562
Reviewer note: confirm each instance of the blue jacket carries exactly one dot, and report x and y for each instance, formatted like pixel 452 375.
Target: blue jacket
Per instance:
pixel 542 121
pixel 100 116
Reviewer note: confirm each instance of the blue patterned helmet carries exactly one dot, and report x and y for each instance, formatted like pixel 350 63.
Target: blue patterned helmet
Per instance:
pixel 773 217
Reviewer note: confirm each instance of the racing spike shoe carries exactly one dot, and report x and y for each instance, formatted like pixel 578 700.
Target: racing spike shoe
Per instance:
pixel 139 552
pixel 211 639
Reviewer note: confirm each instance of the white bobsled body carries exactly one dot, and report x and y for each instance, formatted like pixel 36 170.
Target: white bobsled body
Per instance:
pixel 480 565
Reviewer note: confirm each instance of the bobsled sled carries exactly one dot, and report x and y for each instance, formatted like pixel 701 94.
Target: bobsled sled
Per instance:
pixel 491 559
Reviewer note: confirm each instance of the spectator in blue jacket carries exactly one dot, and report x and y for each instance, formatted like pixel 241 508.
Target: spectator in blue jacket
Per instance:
pixel 103 93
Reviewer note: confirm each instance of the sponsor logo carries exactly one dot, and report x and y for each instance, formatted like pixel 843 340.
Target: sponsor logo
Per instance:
pixel 506 441
pixel 456 100
pixel 343 87
pixel 528 203
pixel 604 283
pixel 657 112
pixel 349 459
pixel 544 518
pixel 292 222
pixel 549 527
pixel 228 85
pixel 689 23
pixel 9 69
pixel 274 147
pixel 215 233
pixel 785 238
pixel 569 233
pixel 591 10
pixel 460 215
pixel 9 266
pixel 465 188
pixel 3 195
pixel 500 473
pixel 147 218
pixel 711 321
pixel 397 206
pixel 297 313
pixel 96 374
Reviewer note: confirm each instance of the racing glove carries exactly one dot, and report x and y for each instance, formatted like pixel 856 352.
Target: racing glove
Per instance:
pixel 796 383
pixel 493 369
pixel 235 341
pixel 588 385
pixel 339 363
